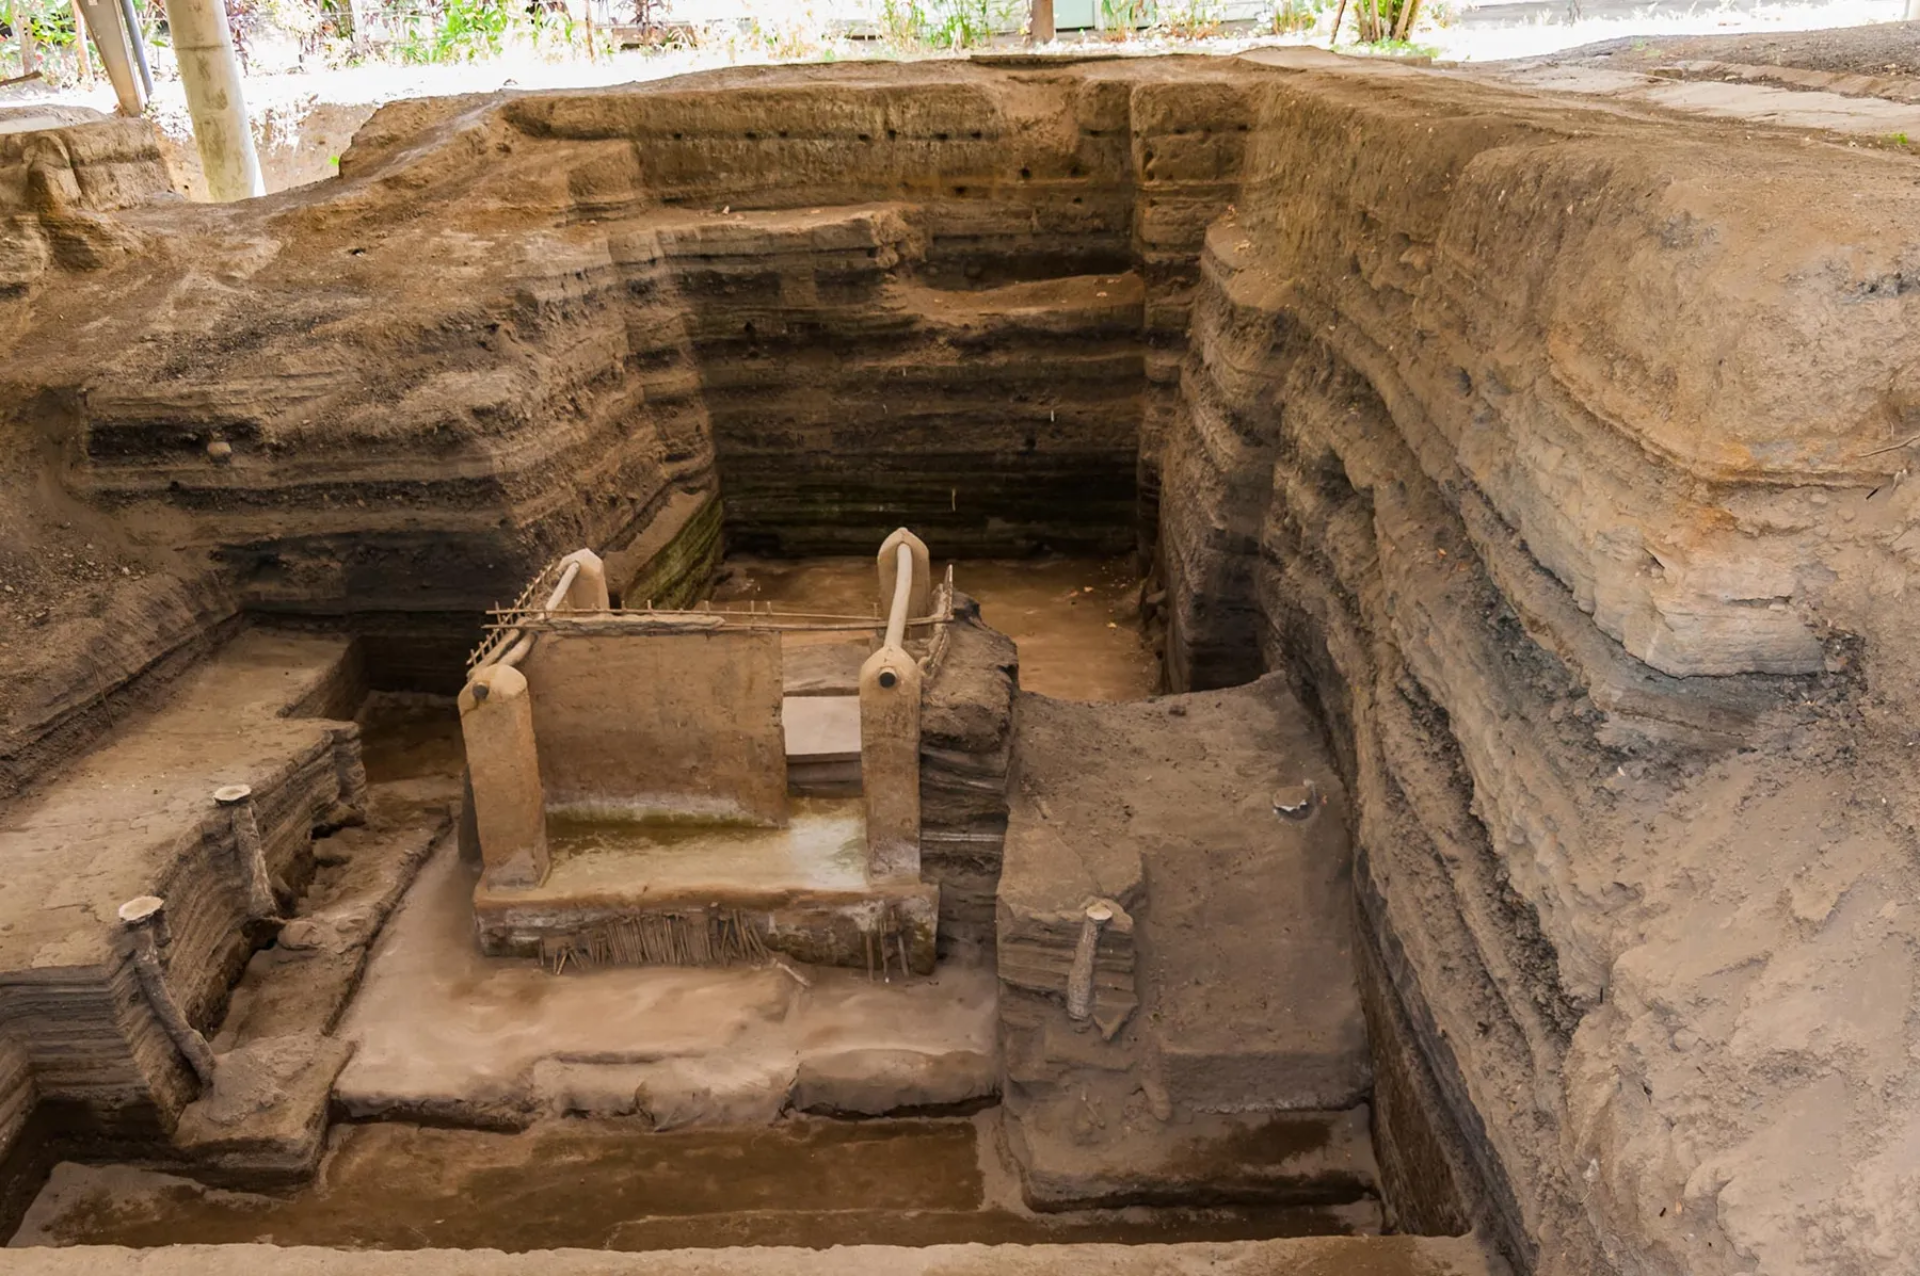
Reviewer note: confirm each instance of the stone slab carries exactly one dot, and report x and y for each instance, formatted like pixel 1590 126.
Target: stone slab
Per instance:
pixel 821 728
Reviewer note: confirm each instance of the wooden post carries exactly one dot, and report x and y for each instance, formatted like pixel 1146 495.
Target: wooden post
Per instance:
pixel 1040 29
pixel 80 43
pixel 29 47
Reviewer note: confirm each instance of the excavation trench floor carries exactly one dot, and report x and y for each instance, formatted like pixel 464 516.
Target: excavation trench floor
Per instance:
pixel 607 1185
pixel 444 1033
pixel 1075 619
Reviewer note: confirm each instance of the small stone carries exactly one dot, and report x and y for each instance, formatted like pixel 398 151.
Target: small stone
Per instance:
pixel 220 450
pixel 301 934
pixel 1296 801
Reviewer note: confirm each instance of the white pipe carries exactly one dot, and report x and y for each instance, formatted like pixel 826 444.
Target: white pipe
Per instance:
pixel 111 42
pixel 1080 975
pixel 210 74
pixel 524 641
pixel 902 595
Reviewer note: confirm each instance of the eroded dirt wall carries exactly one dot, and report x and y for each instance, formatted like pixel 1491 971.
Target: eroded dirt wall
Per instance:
pixel 1559 456
pixel 847 298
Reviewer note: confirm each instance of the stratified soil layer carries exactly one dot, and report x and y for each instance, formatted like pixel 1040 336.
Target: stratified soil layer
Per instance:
pixel 1558 453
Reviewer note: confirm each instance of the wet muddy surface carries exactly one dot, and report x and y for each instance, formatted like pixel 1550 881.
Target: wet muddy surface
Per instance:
pixel 1076 620
pixel 823 847
pixel 610 1185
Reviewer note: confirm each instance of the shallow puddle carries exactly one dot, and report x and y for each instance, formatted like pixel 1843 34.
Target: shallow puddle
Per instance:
pixel 822 847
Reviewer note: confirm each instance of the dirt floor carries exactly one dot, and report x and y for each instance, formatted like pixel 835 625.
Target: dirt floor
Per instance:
pixel 1076 621
pixel 443 1033
pixel 1882 49
pixel 604 1185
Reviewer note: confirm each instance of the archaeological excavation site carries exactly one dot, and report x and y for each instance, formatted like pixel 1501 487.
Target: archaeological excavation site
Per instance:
pixel 1279 664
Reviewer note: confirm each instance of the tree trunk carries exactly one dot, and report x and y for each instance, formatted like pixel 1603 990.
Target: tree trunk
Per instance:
pixel 29 47
pixel 80 44
pixel 1040 28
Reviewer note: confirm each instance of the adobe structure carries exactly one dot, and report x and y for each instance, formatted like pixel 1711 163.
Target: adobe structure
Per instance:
pixel 1516 871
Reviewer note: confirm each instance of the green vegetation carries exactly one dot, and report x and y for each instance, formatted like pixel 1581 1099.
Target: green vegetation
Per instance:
pixel 47 27
pixel 1289 17
pixel 1380 25
pixel 1191 19
pixel 1396 49
pixel 913 25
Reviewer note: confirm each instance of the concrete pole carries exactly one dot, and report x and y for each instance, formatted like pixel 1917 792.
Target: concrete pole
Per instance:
pixel 210 74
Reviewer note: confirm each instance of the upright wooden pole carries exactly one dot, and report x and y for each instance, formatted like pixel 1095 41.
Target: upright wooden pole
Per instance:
pixel 80 43
pixel 29 47
pixel 1407 9
pixel 1040 29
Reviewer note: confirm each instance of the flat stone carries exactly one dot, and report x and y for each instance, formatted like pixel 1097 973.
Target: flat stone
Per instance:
pixel 822 728
pixel 265 1118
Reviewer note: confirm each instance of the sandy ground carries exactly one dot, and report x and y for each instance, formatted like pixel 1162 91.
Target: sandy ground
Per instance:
pixel 1075 620
pixel 807 1182
pixel 444 1032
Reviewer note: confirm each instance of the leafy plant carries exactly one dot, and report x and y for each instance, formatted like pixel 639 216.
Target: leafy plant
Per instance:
pixel 1191 19
pixel 945 24
pixel 1120 18
pixel 456 30
pixel 40 32
pixel 1382 23
pixel 1287 17
pixel 1391 48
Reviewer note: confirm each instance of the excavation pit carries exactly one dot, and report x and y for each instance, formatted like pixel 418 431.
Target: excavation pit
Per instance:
pixel 1469 809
